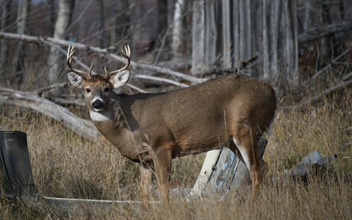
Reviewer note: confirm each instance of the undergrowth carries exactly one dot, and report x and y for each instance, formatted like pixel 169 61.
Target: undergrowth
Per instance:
pixel 67 165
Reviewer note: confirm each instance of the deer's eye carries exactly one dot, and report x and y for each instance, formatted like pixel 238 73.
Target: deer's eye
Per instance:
pixel 106 89
pixel 88 90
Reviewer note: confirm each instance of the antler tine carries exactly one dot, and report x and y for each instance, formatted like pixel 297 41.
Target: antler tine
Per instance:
pixel 69 55
pixel 126 53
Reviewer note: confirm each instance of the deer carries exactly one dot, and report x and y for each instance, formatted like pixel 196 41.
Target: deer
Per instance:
pixel 153 128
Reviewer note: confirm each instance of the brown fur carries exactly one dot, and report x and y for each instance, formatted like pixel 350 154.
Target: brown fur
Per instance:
pixel 159 127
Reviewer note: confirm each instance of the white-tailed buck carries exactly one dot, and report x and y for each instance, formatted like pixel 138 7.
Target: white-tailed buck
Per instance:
pixel 157 127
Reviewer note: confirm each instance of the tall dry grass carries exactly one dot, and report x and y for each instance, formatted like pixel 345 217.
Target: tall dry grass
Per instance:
pixel 66 165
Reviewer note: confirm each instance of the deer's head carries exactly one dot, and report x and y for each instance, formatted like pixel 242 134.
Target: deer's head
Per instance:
pixel 98 88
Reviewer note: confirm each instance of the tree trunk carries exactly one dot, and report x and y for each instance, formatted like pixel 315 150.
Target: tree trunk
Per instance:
pixel 280 41
pixel 291 51
pixel 226 34
pixel 50 17
pixel 61 32
pixel 198 33
pixel 5 20
pixel 22 16
pixel 177 31
pixel 210 33
pixel 102 24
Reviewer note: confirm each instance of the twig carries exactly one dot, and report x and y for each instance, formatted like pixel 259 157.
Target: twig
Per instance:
pixel 332 62
pixel 346 77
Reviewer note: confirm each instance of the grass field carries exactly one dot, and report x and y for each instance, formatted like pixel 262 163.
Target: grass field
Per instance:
pixel 66 165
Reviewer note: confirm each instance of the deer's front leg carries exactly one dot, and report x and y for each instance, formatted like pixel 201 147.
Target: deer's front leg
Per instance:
pixel 162 162
pixel 145 182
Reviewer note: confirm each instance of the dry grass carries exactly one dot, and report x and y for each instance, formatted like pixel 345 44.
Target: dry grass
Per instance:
pixel 65 165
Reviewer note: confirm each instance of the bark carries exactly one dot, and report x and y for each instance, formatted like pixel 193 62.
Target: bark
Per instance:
pixel 204 36
pixel 210 33
pixel 5 21
pixel 316 33
pixel 177 30
pixel 291 43
pixel 198 32
pixel 50 17
pixel 265 45
pixel 280 48
pixel 226 34
pixel 102 24
pixel 22 17
pixel 61 32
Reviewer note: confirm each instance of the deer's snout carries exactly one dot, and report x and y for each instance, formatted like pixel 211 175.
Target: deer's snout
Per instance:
pixel 98 104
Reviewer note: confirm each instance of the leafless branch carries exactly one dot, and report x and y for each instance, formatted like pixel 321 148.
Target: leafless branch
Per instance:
pixel 42 40
pixel 319 32
pixel 140 76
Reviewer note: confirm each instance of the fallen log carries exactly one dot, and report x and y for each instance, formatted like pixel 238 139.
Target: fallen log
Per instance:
pixel 31 100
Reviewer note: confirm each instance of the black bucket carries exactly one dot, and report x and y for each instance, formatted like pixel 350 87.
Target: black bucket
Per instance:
pixel 16 173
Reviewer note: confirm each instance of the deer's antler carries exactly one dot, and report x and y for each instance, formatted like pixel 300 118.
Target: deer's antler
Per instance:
pixel 126 53
pixel 70 52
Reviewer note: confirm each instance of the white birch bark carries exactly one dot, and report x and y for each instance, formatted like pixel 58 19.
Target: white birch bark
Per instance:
pixel 61 31
pixel 198 32
pixel 177 28
pixel 226 33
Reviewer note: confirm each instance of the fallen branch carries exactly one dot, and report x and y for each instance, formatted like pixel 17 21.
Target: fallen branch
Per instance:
pixel 315 99
pixel 319 32
pixel 32 100
pixel 43 40
pixel 140 76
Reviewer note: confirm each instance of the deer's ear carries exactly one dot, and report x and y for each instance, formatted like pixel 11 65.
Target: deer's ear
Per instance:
pixel 75 79
pixel 120 78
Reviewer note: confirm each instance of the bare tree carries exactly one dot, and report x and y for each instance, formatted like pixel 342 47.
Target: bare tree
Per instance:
pixel 61 32
pixel 22 16
pixel 280 40
pixel 50 17
pixel 203 36
pixel 5 18
pixel 102 24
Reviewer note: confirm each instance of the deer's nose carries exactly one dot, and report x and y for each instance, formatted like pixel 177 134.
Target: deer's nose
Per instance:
pixel 98 104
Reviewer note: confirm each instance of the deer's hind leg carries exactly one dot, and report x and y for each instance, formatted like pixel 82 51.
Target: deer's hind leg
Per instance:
pixel 246 142
pixel 162 163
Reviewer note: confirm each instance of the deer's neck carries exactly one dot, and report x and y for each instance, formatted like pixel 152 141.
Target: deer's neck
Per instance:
pixel 113 127
pixel 101 116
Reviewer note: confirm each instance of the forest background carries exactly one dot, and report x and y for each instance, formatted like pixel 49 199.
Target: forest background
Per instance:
pixel 302 47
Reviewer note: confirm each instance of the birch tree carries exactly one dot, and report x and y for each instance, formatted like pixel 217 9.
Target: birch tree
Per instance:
pixel 22 17
pixel 61 32
pixel 204 35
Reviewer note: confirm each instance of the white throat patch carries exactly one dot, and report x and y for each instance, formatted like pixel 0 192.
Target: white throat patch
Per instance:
pixel 97 116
